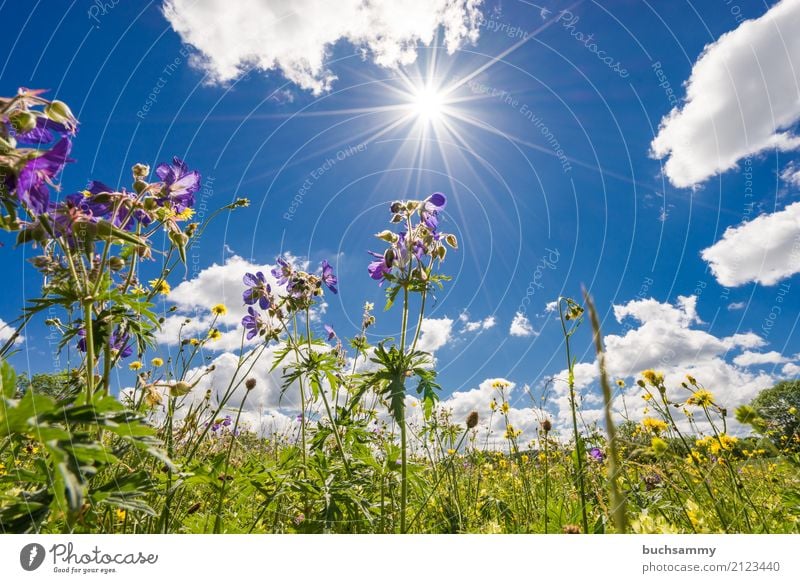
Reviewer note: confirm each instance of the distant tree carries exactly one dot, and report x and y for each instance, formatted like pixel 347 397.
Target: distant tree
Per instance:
pixel 779 407
pixel 56 385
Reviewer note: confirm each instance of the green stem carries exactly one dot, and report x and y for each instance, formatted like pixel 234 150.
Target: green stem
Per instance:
pixel 87 325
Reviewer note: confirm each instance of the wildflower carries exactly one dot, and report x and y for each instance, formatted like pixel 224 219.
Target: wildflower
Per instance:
pixel 135 365
pixel 379 268
pixel 160 286
pixel 493 405
pixel 35 176
pixel 654 425
pixel 524 459
pixel 620 383
pixel 258 290
pixel 331 332
pixel 472 420
pixel 431 207
pixel 194 341
pixel 701 398
pixel 119 343
pixel 328 278
pixel 282 271
pixel 253 323
pixel 451 451
pixel 658 445
pixel 180 184
pixel 219 310
pixel 214 334
pixel 504 407
pixel 120 514
pixel 654 378
pixel 596 454
pixel 792 410
pixel 157 362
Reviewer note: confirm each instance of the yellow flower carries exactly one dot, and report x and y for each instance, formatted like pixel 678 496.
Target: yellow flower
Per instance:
pixel 451 451
pixel 160 286
pixel 701 398
pixel 493 405
pixel 654 425
pixel 135 365
pixel 120 514
pixel 219 310
pixel 157 362
pixel 647 397
pixel 659 446
pixel 524 459
pixel 620 383
pixel 653 377
pixel 194 342
pixel 792 410
pixel 691 379
pixel 214 334
pixel 504 407
pixel 185 214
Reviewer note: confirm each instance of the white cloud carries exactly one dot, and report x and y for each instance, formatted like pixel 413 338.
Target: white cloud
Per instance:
pixel 733 306
pixel 485 324
pixel 521 326
pixel 551 306
pixel 7 331
pixel 749 358
pixel 764 250
pixel 790 370
pixel 297 37
pixel 791 174
pixel 435 333
pixel 668 338
pixel 741 98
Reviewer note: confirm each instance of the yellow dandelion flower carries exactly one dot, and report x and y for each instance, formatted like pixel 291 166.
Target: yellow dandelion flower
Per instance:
pixel 659 446
pixel 219 310
pixel 493 405
pixel 214 334
pixel 524 459
pixel 160 286
pixel 701 398
pixel 120 514
pixel 451 451
pixel 135 365
pixel 654 425
pixel 194 342
pixel 647 397
pixel 792 410
pixel 620 383
pixel 157 362
pixel 185 214
pixel 504 407
pixel 653 377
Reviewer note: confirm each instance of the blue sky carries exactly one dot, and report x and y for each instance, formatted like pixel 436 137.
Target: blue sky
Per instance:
pixel 546 147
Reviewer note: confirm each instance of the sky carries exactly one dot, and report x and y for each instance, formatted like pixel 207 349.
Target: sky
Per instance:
pixel 644 151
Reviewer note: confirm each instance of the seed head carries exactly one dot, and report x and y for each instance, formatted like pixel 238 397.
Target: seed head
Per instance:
pixel 547 426
pixel 472 420
pixel 250 384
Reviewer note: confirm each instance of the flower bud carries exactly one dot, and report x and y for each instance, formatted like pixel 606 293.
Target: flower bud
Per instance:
pixel 396 207
pixel 250 384
pixel 59 112
pixel 451 240
pixel 140 171
pixel 547 426
pixel 180 388
pixel 116 263
pixel 387 236
pixel 472 420
pixel 23 121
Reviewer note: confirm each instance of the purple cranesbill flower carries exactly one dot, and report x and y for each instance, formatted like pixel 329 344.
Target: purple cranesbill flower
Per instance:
pixel 82 339
pixel 42 133
pixel 331 332
pixel 418 249
pixel 431 207
pixel 227 421
pixel 180 184
pixel 253 323
pixel 258 290
pixel 378 269
pixel 596 454
pixel 119 342
pixel 38 173
pixel 87 201
pixel 328 278
pixel 282 272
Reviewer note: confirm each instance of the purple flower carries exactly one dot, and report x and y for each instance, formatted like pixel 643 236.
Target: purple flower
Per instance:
pixel 227 421
pixel 430 209
pixel 378 269
pixel 253 323
pixel 82 339
pixel 328 278
pixel 180 184
pixel 258 290
pixel 87 201
pixel 119 342
pixel 596 454
pixel 282 271
pixel 331 332
pixel 38 173
pixel 42 133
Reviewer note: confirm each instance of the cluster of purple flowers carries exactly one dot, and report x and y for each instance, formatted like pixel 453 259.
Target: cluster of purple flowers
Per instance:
pixel 411 252
pixel 119 342
pixel 301 287
pixel 221 423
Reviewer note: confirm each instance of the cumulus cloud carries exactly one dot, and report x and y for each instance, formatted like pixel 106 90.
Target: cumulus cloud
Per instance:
pixel 764 250
pixel 749 358
pixel 733 306
pixel 7 331
pixel 521 326
pixel 296 38
pixel 434 334
pixel 477 325
pixel 791 174
pixel 741 99
pixel 669 338
pixel 790 370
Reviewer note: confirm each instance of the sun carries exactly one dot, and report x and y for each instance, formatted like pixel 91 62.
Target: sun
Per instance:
pixel 427 104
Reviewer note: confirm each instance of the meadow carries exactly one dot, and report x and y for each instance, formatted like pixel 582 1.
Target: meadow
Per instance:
pixel 79 454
